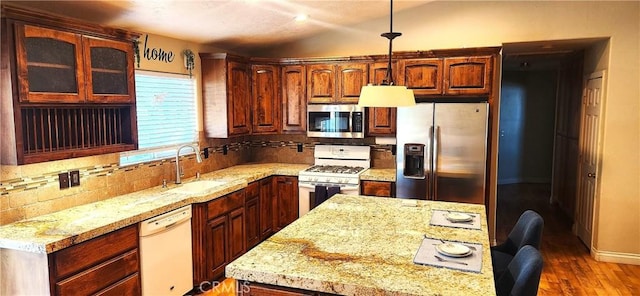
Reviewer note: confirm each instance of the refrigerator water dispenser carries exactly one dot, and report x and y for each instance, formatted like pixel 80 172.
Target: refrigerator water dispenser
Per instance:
pixel 414 160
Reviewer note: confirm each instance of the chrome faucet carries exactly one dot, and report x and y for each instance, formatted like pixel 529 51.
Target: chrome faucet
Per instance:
pixel 196 149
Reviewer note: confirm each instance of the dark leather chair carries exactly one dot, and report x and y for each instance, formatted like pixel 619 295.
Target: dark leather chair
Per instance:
pixel 522 276
pixel 527 231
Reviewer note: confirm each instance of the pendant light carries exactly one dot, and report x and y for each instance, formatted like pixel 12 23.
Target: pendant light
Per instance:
pixel 387 94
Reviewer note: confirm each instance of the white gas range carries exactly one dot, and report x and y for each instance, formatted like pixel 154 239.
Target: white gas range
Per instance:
pixel 336 169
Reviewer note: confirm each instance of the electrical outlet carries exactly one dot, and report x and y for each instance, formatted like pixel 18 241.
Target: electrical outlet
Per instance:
pixel 205 152
pixel 225 149
pixel 74 177
pixel 64 180
pixel 299 147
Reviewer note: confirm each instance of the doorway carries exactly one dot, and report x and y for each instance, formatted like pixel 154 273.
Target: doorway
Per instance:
pixel 541 89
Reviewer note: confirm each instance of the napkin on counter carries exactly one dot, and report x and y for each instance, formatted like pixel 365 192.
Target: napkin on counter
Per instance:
pixel 427 252
pixel 439 218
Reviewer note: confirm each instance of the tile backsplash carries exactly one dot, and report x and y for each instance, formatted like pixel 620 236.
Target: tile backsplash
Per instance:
pixel 31 190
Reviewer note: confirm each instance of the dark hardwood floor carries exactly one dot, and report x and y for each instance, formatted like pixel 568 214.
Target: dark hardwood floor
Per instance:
pixel 568 268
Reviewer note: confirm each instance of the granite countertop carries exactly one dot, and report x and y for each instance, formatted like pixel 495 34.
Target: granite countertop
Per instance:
pixel 55 231
pixel 357 245
pixel 373 174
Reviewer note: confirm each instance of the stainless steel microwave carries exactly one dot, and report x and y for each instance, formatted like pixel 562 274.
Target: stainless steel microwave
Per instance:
pixel 335 121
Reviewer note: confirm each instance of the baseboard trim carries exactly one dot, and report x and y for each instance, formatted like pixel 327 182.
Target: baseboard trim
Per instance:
pixel 615 257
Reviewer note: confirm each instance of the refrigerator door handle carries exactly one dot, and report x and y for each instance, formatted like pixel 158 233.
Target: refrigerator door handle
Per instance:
pixel 434 179
pixel 429 175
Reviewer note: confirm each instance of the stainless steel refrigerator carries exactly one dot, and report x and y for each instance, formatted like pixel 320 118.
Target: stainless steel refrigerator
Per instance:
pixel 442 151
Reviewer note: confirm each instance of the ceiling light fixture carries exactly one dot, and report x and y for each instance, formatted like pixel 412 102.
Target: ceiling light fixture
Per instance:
pixel 301 17
pixel 387 94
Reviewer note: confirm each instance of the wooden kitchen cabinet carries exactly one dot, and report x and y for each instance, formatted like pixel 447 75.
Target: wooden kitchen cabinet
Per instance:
pixel 108 264
pixel 72 86
pixel 50 65
pixel 338 83
pixel 218 234
pixel 226 95
pixel 321 83
pixel 468 75
pixel 286 201
pixel 109 71
pixel 55 66
pixel 377 188
pixel 381 121
pixel 423 76
pixel 448 76
pixel 266 205
pixel 265 99
pixel 294 99
pixel 217 248
pixel 237 238
pixel 252 214
pixel 351 78
pixel 238 108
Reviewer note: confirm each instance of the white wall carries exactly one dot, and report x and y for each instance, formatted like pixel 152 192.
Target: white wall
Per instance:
pixel 452 24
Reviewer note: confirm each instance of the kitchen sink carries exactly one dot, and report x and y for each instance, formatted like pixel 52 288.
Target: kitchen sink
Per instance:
pixel 201 187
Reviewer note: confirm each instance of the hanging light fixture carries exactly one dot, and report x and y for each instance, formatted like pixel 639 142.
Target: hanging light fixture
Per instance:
pixel 387 94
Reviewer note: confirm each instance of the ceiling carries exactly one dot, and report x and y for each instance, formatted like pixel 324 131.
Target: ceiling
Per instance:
pixel 244 26
pixel 235 25
pixel 543 55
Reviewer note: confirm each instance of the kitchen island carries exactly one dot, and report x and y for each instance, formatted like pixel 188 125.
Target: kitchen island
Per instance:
pixel 362 245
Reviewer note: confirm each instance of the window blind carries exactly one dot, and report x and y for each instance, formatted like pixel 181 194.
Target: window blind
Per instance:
pixel 166 115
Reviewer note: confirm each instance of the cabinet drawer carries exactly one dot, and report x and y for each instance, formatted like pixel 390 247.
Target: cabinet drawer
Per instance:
pixel 256 289
pixel 128 286
pixel 253 190
pixel 79 257
pixel 225 204
pixel 101 276
pixel 377 188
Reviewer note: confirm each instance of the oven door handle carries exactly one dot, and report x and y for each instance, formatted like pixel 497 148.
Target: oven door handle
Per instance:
pixel 312 186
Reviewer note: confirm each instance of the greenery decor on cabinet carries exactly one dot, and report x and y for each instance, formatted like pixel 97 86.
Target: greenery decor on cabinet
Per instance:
pixel 136 51
pixel 189 61
pixel 72 85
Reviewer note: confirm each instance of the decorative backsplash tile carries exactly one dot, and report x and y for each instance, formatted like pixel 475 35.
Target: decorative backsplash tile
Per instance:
pixel 31 195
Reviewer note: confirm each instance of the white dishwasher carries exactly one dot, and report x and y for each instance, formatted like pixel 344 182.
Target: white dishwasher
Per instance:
pixel 165 253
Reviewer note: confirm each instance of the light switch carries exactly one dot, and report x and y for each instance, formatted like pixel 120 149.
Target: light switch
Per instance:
pixel 74 177
pixel 64 180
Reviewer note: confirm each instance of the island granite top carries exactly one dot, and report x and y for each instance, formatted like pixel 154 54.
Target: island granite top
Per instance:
pixel 359 245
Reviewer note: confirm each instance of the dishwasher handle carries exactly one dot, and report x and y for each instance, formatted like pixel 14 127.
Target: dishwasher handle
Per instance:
pixel 165 221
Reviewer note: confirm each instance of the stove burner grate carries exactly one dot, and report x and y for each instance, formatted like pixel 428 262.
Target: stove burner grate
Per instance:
pixel 335 169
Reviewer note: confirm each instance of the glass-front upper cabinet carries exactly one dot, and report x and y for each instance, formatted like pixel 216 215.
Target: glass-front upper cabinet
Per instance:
pixel 50 65
pixel 63 67
pixel 109 72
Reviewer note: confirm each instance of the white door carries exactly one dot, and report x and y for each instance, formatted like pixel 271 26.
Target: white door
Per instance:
pixel 589 159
